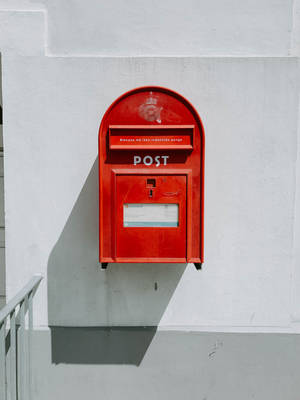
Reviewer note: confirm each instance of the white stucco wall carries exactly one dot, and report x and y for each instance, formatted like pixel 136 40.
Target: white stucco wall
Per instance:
pixel 195 27
pixel 56 89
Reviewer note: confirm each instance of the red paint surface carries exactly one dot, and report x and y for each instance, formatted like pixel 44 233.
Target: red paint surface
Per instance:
pixel 154 242
pixel 151 113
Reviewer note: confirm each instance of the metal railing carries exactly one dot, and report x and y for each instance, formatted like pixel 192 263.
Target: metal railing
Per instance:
pixel 15 344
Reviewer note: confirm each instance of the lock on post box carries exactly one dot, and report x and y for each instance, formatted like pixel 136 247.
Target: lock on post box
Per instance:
pixel 151 179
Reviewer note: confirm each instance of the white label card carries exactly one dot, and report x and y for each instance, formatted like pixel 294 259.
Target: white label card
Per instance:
pixel 150 215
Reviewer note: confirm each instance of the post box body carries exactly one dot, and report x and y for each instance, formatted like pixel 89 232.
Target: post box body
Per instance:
pixel 151 179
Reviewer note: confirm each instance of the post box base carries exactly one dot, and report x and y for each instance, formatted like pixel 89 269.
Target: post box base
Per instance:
pixel 198 265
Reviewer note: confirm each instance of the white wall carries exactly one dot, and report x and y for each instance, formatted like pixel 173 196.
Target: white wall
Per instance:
pixel 249 106
pixel 155 27
pixel 2 233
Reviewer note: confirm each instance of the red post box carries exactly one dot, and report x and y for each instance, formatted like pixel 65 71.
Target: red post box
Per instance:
pixel 151 179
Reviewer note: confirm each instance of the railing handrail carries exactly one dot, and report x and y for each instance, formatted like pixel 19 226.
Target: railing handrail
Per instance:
pixel 20 296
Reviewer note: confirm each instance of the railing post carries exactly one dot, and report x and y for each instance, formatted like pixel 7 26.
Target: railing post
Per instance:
pixel 13 357
pixel 21 370
pixel 29 338
pixel 2 360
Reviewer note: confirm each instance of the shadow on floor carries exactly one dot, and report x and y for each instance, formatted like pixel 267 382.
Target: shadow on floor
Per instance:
pixel 110 345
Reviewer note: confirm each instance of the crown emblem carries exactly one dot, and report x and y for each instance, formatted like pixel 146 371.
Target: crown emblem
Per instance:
pixel 149 110
pixel 151 100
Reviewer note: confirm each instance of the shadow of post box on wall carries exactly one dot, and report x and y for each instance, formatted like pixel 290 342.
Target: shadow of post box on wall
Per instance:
pixel 151 179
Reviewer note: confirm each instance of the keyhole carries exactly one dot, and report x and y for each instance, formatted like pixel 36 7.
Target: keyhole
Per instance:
pixel 150 193
pixel 151 183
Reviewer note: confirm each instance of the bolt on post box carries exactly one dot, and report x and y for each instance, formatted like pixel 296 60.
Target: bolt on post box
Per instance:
pixel 151 180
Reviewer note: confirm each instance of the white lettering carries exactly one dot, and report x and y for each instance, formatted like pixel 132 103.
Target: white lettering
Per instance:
pixel 136 160
pixel 165 159
pixel 157 161
pixel 148 162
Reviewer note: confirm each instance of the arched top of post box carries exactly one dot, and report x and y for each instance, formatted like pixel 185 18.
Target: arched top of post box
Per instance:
pixel 154 107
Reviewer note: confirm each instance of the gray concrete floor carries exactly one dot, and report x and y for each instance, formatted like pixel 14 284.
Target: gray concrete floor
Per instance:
pixel 139 363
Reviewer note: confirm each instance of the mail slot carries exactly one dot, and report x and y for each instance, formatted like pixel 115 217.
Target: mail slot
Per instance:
pixel 151 180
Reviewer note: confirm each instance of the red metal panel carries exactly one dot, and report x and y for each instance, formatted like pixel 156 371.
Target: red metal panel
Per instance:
pixel 151 242
pixel 153 118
